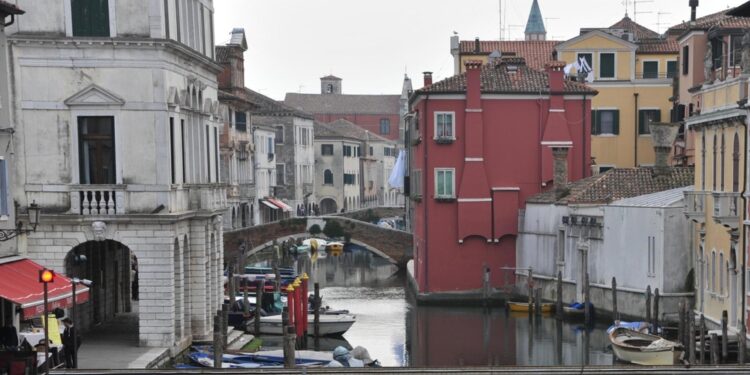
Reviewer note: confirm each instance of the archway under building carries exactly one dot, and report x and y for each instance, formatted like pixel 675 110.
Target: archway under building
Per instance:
pixel 328 206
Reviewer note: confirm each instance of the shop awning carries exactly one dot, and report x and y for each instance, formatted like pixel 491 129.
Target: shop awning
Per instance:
pixel 19 283
pixel 285 207
pixel 269 204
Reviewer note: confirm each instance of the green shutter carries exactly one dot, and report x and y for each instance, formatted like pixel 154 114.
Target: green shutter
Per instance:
pixel 607 65
pixel 616 121
pixel 595 122
pixel 90 17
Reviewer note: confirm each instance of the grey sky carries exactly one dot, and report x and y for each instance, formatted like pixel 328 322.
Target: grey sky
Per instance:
pixel 371 44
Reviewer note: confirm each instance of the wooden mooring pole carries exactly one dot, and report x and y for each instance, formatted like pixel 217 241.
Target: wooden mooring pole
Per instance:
pixel 290 338
pixel 558 302
pixel 741 343
pixel 218 341
pixel 259 285
pixel 656 311
pixel 648 304
pixel 529 288
pixel 714 349
pixel 702 335
pixel 224 324
pixel 316 316
pixel 615 315
pixel 587 299
pixel 691 336
pixel 681 322
pixel 538 301
pixel 724 336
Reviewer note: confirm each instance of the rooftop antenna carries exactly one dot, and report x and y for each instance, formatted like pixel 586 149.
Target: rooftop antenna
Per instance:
pixel 300 88
pixel 500 17
pixel 626 3
pixel 635 8
pixel 547 24
pixel 658 20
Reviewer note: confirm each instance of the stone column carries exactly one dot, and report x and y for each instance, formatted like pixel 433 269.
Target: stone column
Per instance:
pixel 560 155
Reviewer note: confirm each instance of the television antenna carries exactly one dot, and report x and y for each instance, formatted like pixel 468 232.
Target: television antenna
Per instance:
pixel 635 8
pixel 658 20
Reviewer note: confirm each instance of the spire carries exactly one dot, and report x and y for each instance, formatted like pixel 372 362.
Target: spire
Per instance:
pixel 535 25
pixel 406 89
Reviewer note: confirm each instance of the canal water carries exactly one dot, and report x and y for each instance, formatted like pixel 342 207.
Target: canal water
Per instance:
pixel 399 333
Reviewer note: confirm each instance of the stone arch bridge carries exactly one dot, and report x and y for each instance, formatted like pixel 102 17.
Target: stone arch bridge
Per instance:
pixel 394 245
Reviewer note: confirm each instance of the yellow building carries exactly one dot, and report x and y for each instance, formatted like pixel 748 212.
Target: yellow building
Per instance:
pixel 633 69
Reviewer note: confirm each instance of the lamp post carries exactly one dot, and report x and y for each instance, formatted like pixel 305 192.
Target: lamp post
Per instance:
pixel 73 282
pixel 34 213
pixel 45 277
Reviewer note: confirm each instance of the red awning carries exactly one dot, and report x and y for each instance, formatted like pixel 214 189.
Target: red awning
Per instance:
pixel 285 207
pixel 19 283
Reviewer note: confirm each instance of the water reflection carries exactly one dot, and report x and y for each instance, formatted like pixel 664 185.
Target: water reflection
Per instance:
pixel 399 333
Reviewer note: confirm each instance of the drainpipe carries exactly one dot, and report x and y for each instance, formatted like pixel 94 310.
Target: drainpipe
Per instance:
pixel 584 169
pixel 635 156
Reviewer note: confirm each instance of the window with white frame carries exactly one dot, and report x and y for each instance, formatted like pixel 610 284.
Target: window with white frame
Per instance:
pixel 713 271
pixel 606 65
pixel 722 271
pixel 90 17
pixel 445 126
pixel 4 188
pixel 280 174
pixel 445 183
pixel 96 149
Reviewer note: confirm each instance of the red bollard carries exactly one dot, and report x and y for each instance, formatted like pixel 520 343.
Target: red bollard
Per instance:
pixel 290 305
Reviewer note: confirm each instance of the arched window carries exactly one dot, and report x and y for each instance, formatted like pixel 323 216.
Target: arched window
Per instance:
pixel 716 144
pixel 736 164
pixel 721 274
pixel 703 160
pixel 328 177
pixel 721 160
pixel 713 271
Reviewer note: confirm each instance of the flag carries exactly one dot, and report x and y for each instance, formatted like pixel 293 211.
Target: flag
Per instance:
pixel 396 179
pixel 583 66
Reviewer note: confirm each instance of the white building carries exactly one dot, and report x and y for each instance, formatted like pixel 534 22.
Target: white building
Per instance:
pixel 268 209
pixel 116 136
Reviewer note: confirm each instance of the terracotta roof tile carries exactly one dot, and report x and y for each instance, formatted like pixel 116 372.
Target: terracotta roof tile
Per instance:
pixel 658 46
pixel 719 20
pixel 495 78
pixel 269 107
pixel 618 183
pixel 8 8
pixel 640 31
pixel 536 52
pixel 344 104
pixel 347 129
pixel 222 54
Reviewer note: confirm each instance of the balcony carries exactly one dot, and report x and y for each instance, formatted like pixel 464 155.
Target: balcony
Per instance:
pixel 727 209
pixel 207 196
pixel 695 205
pixel 97 199
pixel 723 94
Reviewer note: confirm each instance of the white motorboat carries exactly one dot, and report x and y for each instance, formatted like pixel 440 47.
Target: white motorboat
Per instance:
pixel 330 324
pixel 643 348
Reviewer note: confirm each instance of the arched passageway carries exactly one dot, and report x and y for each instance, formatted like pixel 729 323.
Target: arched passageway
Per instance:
pixel 328 206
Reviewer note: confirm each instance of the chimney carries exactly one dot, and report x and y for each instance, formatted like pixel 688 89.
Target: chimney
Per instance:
pixel 556 76
pixel 427 79
pixel 473 83
pixel 560 168
pixel 477 47
pixel 693 6
pixel 663 135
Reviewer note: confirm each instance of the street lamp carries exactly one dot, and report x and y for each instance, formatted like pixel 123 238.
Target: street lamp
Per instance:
pixel 45 277
pixel 34 213
pixel 73 282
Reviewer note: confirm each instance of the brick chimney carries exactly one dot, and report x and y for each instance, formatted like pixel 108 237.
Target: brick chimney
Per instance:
pixel 231 58
pixel 427 79
pixel 556 76
pixel 473 83
pixel 663 136
pixel 477 46
pixel 693 7
pixel 560 168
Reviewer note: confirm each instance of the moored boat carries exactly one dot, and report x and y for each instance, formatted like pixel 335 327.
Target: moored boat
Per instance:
pixel 642 348
pixel 330 324
pixel 526 307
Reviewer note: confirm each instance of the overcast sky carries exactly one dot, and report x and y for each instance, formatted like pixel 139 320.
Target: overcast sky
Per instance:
pixel 371 44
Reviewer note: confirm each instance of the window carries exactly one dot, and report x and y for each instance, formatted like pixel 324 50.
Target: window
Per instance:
pixel 717 48
pixel 721 160
pixel 385 126
pixel 721 274
pixel 561 246
pixel 347 151
pixel 171 150
pixel 280 134
pixel 713 271
pixel 645 117
pixel 650 69
pixel 651 256
pixel 716 145
pixel 4 188
pixel 280 169
pixel 736 164
pixel 736 57
pixel 444 183
pixel 184 158
pixel 240 121
pixel 372 152
pixel 605 122
pixel 96 150
pixel 415 184
pixel 270 148
pixel 359 151
pixel 671 69
pixel 208 153
pixel 703 160
pixel 685 60
pixel 328 177
pixel 607 68
pixel 589 58
pixel 326 150
pixel 444 126
pixel 90 17
pixel 349 179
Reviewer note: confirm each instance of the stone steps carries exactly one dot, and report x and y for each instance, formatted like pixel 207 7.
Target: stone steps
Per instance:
pixel 240 341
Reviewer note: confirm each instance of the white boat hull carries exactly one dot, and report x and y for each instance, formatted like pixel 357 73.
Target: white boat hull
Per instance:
pixel 662 358
pixel 329 324
pixel 642 348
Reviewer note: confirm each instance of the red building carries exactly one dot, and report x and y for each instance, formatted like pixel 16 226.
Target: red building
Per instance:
pixel 483 141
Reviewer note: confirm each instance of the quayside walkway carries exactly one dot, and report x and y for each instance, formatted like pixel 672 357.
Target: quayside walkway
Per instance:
pixel 479 371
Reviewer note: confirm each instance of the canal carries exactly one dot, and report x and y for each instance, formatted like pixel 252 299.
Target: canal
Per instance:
pixel 399 333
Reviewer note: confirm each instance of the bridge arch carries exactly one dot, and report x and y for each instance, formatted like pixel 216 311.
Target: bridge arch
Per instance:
pixel 369 247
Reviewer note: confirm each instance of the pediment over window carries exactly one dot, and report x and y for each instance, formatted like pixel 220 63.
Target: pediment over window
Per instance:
pixel 94 95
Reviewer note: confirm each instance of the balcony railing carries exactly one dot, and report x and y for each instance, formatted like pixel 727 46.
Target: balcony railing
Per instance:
pixel 207 196
pixel 695 204
pixel 98 199
pixel 727 209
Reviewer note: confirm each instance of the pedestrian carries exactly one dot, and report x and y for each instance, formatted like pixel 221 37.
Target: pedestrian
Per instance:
pixel 69 344
pixel 134 281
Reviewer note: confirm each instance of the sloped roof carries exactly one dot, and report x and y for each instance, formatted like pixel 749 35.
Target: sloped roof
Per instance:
pixel 222 54
pixel 640 31
pixel 331 78
pixel 666 198
pixel 617 184
pixel 658 46
pixel 496 79
pixel 715 20
pixel 269 107
pixel 535 23
pixel 536 52
pixel 8 8
pixel 344 104
pixel 346 129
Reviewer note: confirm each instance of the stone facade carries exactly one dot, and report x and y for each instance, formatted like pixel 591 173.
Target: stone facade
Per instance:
pixel 128 119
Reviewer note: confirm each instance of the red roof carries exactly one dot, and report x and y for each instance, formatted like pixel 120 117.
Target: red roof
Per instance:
pixel 19 283
pixel 8 8
pixel 716 20
pixel 535 52
pixel 658 45
pixel 640 32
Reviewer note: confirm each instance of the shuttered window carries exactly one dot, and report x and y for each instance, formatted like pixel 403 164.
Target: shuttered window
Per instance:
pixel 607 63
pixel 645 117
pixel 605 122
pixel 90 17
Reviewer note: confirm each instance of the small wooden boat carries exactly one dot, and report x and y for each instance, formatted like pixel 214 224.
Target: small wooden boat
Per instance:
pixel 330 324
pixel 526 307
pixel 573 312
pixel 335 248
pixel 643 348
